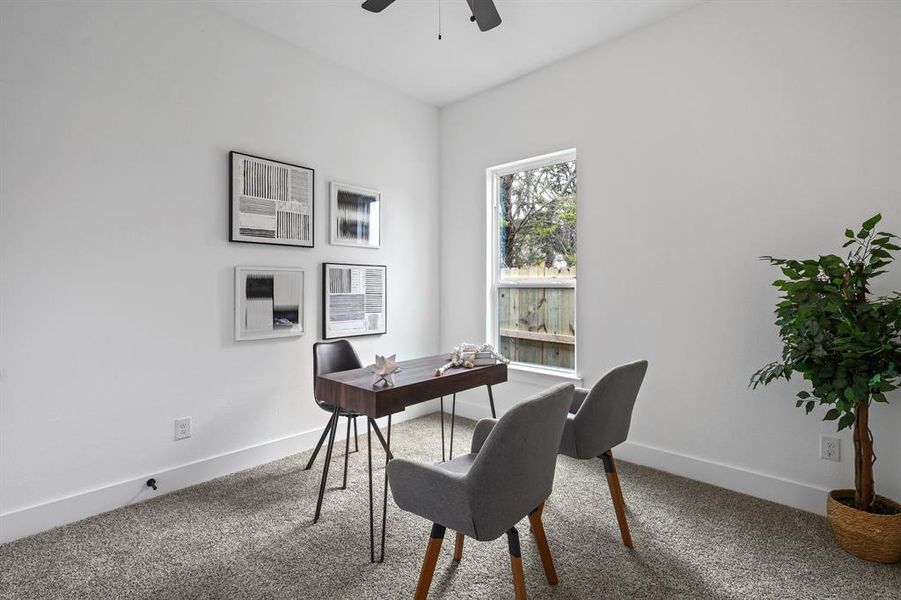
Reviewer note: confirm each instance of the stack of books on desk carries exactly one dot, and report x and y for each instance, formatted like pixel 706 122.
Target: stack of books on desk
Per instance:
pixel 481 359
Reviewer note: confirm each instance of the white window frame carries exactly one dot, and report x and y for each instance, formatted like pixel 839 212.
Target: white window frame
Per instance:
pixel 492 176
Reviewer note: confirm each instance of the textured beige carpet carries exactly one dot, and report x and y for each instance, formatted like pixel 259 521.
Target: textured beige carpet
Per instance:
pixel 250 535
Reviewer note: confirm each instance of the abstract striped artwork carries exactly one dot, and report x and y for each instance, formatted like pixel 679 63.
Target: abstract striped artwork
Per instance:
pixel 271 201
pixel 355 216
pixel 268 302
pixel 354 300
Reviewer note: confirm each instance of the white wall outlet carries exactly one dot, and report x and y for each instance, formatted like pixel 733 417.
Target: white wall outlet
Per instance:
pixel 182 428
pixel 830 448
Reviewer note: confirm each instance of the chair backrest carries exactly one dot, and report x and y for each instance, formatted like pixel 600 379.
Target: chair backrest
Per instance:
pixel 514 470
pixel 603 420
pixel 331 357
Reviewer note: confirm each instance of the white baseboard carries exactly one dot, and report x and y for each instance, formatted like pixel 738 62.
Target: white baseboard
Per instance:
pixel 760 485
pixel 61 511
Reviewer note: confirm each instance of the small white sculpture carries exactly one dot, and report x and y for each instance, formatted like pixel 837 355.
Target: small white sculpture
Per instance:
pixel 464 356
pixel 384 369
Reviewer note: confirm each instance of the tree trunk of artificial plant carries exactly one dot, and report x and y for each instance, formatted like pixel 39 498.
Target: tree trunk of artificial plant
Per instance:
pixel 864 494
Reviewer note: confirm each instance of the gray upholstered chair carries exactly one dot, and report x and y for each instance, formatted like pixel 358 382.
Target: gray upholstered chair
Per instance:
pixel 599 419
pixel 507 475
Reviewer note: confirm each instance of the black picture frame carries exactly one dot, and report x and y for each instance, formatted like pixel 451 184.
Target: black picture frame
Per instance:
pixel 325 295
pixel 234 234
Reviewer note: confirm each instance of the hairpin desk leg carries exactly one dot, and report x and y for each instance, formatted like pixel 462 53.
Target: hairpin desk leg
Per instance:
pixel 385 498
pixel 491 401
pixel 453 419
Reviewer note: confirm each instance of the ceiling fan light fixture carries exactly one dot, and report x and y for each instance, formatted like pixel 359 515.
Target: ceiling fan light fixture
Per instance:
pixel 484 13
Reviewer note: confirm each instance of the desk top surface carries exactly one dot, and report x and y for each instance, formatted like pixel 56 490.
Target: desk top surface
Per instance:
pixel 415 382
pixel 411 372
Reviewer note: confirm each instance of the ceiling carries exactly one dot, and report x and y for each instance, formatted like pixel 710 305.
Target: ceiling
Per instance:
pixel 400 48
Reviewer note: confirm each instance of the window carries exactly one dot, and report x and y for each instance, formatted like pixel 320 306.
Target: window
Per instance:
pixel 532 261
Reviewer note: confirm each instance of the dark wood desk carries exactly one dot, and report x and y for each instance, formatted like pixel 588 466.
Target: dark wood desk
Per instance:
pixel 416 382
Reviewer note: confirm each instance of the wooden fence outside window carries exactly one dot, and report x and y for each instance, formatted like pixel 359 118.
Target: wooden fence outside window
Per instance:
pixel 536 325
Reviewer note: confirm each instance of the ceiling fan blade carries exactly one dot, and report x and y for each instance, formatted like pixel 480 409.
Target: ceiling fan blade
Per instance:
pixel 376 5
pixel 485 13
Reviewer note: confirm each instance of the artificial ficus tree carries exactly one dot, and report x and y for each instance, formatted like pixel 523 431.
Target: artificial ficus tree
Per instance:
pixel 846 343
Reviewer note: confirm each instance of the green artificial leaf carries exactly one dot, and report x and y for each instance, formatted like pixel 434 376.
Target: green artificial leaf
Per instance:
pixel 799 403
pixel 846 421
pixel 809 407
pixel 803 395
pixel 871 222
pixel 832 414
pixel 849 233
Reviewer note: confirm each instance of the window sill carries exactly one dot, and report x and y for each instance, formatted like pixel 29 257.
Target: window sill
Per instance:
pixel 540 375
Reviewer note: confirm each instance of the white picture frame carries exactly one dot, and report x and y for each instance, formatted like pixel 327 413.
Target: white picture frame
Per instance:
pixel 269 302
pixel 355 216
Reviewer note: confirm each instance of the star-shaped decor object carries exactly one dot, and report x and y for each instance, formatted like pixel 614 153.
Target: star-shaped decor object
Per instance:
pixel 384 369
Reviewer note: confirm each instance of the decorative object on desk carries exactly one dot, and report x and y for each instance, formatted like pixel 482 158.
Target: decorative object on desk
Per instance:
pixel 354 300
pixel 468 356
pixel 384 369
pixel 271 201
pixel 268 302
pixel 848 346
pixel 355 216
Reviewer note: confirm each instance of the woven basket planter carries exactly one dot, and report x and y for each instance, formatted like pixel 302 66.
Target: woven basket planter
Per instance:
pixel 866 535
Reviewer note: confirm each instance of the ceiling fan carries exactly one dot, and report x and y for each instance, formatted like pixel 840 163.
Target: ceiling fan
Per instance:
pixel 484 13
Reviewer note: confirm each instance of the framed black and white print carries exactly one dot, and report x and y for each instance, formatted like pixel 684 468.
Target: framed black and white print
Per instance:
pixel 271 201
pixel 354 300
pixel 355 216
pixel 268 302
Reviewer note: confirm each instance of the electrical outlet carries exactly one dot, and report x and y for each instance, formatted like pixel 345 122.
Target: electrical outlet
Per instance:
pixel 182 428
pixel 830 448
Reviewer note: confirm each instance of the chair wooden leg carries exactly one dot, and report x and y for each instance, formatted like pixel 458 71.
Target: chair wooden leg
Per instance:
pixel 428 563
pixel 541 540
pixel 458 547
pixel 519 582
pixel 616 493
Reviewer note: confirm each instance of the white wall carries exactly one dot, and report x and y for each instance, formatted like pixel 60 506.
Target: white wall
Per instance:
pixel 734 130
pixel 117 279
